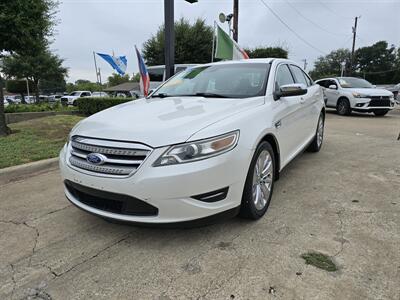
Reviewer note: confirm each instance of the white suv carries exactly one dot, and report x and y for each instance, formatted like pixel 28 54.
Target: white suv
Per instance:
pixel 209 142
pixel 348 94
pixel 71 98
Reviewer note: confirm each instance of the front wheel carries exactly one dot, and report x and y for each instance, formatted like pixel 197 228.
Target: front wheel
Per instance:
pixel 316 144
pixel 343 107
pixel 259 184
pixel 381 113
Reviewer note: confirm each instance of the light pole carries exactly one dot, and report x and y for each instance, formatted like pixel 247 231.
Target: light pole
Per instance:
pixel 169 33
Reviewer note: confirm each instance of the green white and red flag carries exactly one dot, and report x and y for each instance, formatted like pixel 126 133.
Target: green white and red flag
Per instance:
pixel 227 48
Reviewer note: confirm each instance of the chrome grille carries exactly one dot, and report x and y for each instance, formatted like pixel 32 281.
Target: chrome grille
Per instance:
pixel 120 158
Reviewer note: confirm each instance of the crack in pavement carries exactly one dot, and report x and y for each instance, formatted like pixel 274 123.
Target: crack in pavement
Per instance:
pixel 13 280
pixel 35 242
pixel 57 275
pixel 341 240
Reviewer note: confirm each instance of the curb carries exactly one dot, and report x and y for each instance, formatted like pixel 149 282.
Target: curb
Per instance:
pixel 15 173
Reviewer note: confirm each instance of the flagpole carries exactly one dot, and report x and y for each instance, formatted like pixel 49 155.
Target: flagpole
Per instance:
pixel 95 66
pixel 213 44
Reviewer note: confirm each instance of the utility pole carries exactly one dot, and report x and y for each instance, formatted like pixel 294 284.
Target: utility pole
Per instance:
pixel 305 63
pixel 354 44
pixel 169 45
pixel 235 19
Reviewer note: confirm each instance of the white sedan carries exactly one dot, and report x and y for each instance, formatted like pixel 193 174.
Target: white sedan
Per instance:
pixel 210 142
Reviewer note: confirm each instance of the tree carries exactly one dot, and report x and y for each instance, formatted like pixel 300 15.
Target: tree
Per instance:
pixel 331 64
pixel 193 43
pixel 84 85
pixel 19 87
pixel 116 79
pixel 377 63
pixel 265 52
pixel 43 65
pixel 23 26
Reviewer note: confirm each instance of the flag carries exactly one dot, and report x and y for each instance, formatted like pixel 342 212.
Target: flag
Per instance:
pixel 144 74
pixel 227 48
pixel 119 63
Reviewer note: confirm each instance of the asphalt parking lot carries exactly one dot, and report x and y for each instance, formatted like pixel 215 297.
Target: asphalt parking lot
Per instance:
pixel 343 202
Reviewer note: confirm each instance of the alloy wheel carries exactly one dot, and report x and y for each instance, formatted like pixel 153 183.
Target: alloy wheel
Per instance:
pixel 262 180
pixel 320 131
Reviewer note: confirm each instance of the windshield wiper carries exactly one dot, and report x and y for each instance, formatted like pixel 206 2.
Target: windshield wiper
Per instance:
pixel 161 95
pixel 209 95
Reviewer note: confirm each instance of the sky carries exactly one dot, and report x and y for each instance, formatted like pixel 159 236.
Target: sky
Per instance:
pixel 313 27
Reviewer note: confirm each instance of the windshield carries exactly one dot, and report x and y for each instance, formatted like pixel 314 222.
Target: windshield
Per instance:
pixel 351 82
pixel 218 81
pixel 75 94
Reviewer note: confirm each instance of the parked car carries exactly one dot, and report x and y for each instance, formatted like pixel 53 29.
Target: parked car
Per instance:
pixel 348 94
pixel 70 99
pixel 99 95
pixel 396 92
pixel 30 99
pixel 54 98
pixel 210 142
pixel 157 73
pixel 14 99
pixel 5 102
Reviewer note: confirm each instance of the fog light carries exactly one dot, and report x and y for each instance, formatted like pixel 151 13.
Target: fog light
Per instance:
pixel 359 104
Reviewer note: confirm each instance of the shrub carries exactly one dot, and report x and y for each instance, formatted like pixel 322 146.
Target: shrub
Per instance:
pixel 90 106
pixel 19 108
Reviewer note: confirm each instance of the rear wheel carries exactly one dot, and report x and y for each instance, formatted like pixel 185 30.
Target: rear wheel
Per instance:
pixel 343 107
pixel 259 184
pixel 316 144
pixel 381 113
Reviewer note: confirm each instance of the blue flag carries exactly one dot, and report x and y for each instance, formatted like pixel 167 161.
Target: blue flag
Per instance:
pixel 119 63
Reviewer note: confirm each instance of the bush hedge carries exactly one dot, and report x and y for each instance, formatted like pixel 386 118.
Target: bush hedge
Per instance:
pixel 90 106
pixel 19 108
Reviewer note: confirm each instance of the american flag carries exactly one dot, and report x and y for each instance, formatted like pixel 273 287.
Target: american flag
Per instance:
pixel 144 74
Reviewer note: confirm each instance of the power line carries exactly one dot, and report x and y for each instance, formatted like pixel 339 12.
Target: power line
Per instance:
pixel 332 11
pixel 291 30
pixel 311 21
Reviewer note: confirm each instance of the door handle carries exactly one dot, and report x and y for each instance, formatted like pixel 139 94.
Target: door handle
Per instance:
pixel 278 124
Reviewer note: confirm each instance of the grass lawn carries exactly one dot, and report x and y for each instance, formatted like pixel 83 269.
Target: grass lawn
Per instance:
pixel 35 139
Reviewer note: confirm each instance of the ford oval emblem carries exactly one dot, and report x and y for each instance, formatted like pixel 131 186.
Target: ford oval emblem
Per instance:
pixel 96 158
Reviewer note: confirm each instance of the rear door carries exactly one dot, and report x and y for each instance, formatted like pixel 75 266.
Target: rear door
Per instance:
pixel 308 101
pixel 289 117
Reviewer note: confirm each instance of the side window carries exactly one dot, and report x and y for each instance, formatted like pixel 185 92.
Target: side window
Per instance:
pixel 179 69
pixel 299 75
pixel 156 74
pixel 283 76
pixel 308 79
pixel 329 83
pixel 322 83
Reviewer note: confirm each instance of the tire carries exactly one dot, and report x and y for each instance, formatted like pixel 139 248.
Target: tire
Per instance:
pixel 316 144
pixel 380 113
pixel 254 205
pixel 343 107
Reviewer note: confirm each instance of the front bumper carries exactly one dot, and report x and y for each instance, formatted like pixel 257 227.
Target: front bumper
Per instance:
pixel 169 188
pixel 368 105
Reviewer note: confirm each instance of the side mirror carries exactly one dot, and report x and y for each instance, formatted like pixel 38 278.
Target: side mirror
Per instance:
pixel 333 87
pixel 290 90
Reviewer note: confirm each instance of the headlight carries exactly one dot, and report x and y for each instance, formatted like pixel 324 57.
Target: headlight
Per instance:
pixel 358 95
pixel 198 150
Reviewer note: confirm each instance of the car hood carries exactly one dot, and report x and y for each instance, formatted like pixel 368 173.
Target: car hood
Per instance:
pixel 370 91
pixel 159 122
